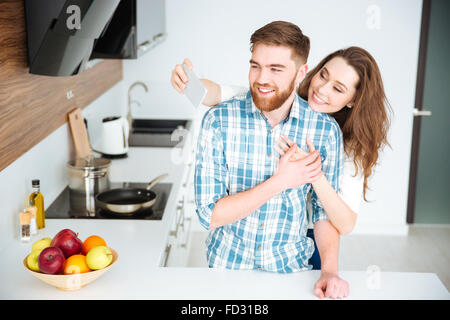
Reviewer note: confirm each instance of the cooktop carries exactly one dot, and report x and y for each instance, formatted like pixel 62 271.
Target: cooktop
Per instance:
pixel 62 207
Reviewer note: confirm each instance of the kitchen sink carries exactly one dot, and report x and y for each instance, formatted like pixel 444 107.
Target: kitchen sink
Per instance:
pixel 157 132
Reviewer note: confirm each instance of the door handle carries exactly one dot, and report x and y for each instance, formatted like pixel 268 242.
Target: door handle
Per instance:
pixel 421 113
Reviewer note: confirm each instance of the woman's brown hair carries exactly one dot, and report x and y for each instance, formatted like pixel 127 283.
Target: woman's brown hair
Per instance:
pixel 365 125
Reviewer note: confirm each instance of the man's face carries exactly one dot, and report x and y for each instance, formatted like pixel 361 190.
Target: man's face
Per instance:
pixel 273 76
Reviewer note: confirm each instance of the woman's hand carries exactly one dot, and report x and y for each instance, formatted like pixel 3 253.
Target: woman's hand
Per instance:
pixel 300 154
pixel 296 166
pixel 330 285
pixel 179 78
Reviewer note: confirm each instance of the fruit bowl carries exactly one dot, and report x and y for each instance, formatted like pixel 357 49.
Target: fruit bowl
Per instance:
pixel 71 282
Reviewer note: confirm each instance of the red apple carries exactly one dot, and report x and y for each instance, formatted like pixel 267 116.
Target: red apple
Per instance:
pixel 51 260
pixel 68 242
pixel 66 231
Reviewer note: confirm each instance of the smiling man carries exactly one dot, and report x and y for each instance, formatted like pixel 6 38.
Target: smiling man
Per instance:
pixel 253 204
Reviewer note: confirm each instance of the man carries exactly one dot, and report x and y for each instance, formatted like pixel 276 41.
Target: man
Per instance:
pixel 253 204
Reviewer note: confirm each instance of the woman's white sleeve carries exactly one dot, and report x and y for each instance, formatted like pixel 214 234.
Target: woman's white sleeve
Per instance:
pixel 228 92
pixel 351 188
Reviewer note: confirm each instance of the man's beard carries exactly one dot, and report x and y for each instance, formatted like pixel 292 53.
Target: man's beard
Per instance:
pixel 274 102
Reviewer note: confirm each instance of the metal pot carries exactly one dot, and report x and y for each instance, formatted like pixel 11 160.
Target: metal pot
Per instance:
pixel 87 177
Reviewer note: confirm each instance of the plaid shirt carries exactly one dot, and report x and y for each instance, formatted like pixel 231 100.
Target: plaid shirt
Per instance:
pixel 235 152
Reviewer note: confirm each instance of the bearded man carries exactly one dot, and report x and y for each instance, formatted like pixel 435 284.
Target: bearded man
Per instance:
pixel 253 204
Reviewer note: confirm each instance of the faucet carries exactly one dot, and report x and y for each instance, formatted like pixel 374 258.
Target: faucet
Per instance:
pixel 137 83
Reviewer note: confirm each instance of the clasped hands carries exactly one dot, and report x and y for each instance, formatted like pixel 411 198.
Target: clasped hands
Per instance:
pixel 297 167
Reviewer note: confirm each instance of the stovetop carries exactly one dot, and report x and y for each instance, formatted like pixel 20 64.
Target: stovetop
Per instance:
pixel 61 207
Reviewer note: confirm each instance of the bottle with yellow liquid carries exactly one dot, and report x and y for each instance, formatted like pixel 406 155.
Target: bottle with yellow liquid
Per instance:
pixel 37 199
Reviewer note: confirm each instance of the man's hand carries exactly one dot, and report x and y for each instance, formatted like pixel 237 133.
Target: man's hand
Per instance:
pixel 331 286
pixel 292 174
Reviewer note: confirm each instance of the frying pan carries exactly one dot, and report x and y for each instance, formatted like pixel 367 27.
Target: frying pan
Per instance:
pixel 128 201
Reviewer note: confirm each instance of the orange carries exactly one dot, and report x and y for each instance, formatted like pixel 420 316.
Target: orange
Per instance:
pixel 76 264
pixel 91 242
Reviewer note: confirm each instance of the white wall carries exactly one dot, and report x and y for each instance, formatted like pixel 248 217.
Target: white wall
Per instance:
pixel 215 36
pixel 47 161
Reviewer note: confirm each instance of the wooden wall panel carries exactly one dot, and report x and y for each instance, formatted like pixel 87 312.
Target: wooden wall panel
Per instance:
pixel 32 106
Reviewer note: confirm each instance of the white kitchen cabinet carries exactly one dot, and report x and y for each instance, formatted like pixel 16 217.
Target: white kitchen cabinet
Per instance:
pixel 167 257
pixel 178 245
pixel 183 252
pixel 178 239
pixel 193 235
pixel 151 24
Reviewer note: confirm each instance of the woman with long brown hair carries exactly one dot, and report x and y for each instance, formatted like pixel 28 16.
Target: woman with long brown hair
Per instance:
pixel 346 84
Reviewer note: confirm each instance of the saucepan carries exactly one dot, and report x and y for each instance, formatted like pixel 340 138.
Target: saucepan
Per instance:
pixel 128 201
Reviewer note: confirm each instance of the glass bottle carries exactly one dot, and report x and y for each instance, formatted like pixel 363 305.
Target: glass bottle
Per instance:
pixel 37 199
pixel 33 224
pixel 25 218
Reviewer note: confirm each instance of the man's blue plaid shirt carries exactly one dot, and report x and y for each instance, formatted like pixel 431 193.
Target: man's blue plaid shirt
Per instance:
pixel 235 152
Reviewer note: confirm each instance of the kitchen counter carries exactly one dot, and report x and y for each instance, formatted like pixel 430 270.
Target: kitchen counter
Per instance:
pixel 136 274
pixel 141 244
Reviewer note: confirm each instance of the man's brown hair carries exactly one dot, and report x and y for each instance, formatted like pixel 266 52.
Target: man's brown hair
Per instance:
pixel 282 33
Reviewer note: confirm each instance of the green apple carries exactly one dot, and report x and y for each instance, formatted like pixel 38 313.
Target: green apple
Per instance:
pixel 32 260
pixel 41 244
pixel 99 257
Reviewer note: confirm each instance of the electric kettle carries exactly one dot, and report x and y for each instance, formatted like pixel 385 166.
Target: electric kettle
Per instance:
pixel 114 137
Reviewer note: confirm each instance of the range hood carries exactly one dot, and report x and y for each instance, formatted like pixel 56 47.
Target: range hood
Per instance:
pixel 136 27
pixel 61 33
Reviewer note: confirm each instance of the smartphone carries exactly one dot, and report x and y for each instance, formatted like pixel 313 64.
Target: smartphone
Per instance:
pixel 195 90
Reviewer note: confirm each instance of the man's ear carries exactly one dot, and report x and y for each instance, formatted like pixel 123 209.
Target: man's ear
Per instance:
pixel 301 73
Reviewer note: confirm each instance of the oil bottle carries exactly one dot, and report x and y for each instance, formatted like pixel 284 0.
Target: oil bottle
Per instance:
pixel 37 199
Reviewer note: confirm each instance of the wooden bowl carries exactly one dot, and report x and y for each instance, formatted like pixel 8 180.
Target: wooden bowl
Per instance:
pixel 71 282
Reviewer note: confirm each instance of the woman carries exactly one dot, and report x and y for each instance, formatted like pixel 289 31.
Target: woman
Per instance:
pixel 346 84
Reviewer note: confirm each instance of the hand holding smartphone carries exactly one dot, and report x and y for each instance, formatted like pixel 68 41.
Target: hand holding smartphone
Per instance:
pixel 195 90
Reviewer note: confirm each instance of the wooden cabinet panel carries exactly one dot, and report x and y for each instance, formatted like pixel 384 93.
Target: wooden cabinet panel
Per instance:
pixel 32 106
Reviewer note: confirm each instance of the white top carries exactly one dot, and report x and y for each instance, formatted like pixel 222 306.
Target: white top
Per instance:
pixel 351 186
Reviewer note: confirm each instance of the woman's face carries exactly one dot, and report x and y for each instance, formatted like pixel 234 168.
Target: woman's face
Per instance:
pixel 333 87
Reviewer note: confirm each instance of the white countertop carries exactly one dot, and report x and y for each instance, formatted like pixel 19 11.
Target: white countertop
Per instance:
pixel 135 275
pixel 141 243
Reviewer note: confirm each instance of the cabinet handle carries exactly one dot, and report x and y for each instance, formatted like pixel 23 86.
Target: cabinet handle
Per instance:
pixel 144 46
pixel 159 35
pixel 181 218
pixel 180 204
pixel 167 254
pixel 184 244
pixel 180 207
pixel 174 233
